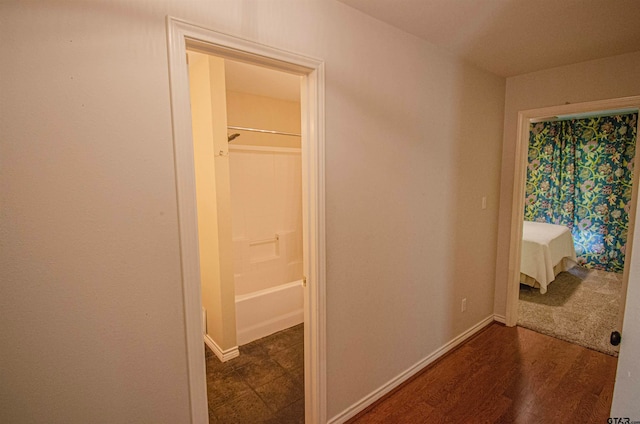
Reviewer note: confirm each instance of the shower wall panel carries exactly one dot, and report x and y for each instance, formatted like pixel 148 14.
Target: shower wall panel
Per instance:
pixel 266 203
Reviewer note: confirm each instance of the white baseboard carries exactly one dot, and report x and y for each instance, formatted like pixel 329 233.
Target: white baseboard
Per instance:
pixel 372 397
pixel 500 318
pixel 223 355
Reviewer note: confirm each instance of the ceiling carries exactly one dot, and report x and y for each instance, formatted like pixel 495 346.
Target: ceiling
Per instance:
pixel 261 81
pixel 513 37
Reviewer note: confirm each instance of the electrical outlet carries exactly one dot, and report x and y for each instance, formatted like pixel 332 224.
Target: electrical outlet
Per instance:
pixel 463 307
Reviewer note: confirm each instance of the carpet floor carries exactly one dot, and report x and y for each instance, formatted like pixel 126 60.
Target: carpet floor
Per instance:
pixel 581 306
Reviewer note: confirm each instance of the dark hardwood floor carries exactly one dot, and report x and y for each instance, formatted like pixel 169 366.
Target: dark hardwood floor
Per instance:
pixel 505 375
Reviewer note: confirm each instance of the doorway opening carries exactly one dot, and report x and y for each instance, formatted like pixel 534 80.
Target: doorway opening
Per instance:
pixel 518 247
pixel 249 201
pixel 183 37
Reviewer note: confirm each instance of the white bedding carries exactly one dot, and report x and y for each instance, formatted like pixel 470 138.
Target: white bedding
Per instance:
pixel 544 246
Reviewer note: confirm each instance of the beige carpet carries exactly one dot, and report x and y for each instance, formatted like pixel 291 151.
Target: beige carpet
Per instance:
pixel 580 306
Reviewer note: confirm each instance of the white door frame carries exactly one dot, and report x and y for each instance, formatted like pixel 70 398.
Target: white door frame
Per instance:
pixel 180 36
pixel 519 180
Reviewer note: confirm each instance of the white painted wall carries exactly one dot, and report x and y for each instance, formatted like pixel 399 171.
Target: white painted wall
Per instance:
pixel 261 112
pixel 625 395
pixel 91 300
pixel 213 197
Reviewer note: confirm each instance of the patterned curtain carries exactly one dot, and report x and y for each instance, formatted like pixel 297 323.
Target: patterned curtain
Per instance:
pixel 579 175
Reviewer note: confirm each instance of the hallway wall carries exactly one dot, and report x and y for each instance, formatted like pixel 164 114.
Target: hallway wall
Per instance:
pixel 92 303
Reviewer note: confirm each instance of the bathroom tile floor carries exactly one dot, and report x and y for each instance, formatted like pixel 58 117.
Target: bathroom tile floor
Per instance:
pixel 265 384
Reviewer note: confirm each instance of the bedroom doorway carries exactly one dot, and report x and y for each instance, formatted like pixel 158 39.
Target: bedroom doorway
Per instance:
pixel 183 36
pixel 572 282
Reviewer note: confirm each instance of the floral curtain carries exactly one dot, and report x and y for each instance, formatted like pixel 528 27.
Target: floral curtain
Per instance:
pixel 579 175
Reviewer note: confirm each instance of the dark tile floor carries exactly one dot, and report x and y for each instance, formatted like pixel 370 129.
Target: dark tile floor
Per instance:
pixel 265 384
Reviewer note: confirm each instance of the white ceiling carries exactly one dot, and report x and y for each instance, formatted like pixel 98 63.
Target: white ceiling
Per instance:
pixel 513 37
pixel 261 81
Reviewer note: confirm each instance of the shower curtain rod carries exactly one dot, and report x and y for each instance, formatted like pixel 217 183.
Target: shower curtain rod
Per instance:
pixel 231 127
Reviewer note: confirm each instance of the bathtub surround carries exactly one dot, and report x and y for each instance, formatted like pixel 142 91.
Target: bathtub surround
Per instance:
pixel 266 311
pixel 266 209
pixel 266 201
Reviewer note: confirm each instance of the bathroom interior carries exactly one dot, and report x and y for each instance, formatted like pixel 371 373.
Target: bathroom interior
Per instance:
pixel 247 156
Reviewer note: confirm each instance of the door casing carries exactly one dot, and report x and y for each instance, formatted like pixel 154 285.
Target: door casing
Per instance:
pixel 182 35
pixel 519 180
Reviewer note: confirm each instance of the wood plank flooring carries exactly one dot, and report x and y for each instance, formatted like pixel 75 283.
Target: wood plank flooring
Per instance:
pixel 505 375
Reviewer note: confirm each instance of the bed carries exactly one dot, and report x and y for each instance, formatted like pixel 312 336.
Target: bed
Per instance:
pixel 547 250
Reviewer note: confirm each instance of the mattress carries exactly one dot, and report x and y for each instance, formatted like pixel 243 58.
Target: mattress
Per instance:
pixel 545 247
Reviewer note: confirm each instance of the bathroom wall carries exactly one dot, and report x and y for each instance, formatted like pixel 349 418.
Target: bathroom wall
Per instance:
pixel 208 105
pixel 255 111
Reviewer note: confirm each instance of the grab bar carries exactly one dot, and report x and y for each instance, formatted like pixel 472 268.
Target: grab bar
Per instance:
pixel 263 241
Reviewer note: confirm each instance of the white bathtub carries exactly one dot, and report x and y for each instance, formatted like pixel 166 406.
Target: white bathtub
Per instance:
pixel 267 311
